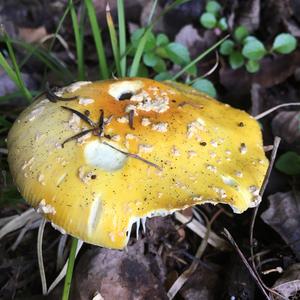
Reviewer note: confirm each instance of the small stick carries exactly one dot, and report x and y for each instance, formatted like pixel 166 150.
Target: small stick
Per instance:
pixel 135 156
pixel 267 112
pixel 40 255
pixel 238 250
pixel 80 115
pixel 54 98
pixel 76 136
pixel 130 118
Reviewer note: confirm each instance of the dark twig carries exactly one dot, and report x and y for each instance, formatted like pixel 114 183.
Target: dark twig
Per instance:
pixel 54 98
pixel 135 156
pixel 101 123
pixel 80 115
pixel 77 136
pixel 261 192
pixel 251 271
pixel 130 119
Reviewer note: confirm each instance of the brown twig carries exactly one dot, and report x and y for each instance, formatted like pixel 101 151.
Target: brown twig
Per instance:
pixel 182 279
pixel 251 271
pixel 261 192
pixel 135 156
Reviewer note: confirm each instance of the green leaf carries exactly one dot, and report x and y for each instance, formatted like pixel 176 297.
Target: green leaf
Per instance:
pixel 284 43
pixel 142 71
pixel 160 65
pixel 162 40
pixel 137 35
pixel 163 76
pixel 205 86
pixel 289 163
pixel 222 24
pixel 240 33
pixel 150 59
pixel 236 60
pixel 208 20
pixel 254 50
pixel 249 38
pixel 192 70
pixel 227 47
pixel 252 66
pixel 213 7
pixel 178 53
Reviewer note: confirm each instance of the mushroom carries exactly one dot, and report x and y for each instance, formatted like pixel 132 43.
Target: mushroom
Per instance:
pixel 96 157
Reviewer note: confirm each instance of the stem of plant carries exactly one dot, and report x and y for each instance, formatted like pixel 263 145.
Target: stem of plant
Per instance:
pixel 68 279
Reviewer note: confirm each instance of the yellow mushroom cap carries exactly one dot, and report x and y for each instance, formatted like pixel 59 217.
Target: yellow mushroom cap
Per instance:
pixel 183 148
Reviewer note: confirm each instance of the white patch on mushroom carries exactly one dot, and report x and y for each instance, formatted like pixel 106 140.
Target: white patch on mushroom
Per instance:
pixel 131 107
pixel 238 174
pixel 197 198
pixel 84 138
pixel 146 122
pixel 175 151
pixel 229 181
pixel 160 127
pixel 144 148
pixel 194 127
pixel 61 179
pixel 123 119
pixel 94 214
pixel 243 148
pixel 103 156
pixel 191 153
pixel 84 176
pixel 74 123
pixel 212 154
pixel 131 136
pixel 85 101
pixel 35 113
pixel 44 208
pixel 117 89
pixel 211 168
pixel 214 143
pixel 27 163
pixel 60 229
pixel 75 86
pixel 254 190
pixel 158 105
pixel 221 192
pixel 227 152
pixel 41 179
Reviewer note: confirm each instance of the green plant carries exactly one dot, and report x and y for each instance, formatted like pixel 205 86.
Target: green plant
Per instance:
pixel 289 163
pixel 151 55
pixel 244 49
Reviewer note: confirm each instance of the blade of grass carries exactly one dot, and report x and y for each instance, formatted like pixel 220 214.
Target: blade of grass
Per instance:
pixel 122 36
pixel 7 68
pixel 49 59
pixel 152 11
pixel 70 268
pixel 27 57
pixel 16 69
pixel 78 42
pixel 200 57
pixel 97 38
pixel 113 39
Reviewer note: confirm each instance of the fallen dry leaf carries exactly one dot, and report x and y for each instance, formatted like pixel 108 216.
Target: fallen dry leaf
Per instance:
pixel 274 70
pixel 286 124
pixel 32 35
pixel 289 284
pixel 283 216
pixel 112 273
